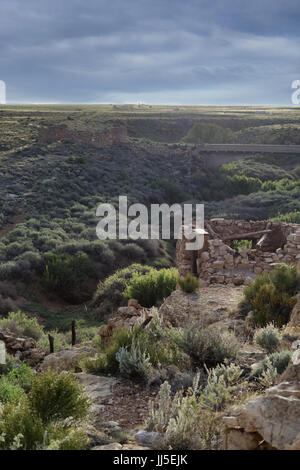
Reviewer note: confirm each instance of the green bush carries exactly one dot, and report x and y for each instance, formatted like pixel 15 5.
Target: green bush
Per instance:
pixel 268 338
pixel 207 346
pixel 18 422
pixel 149 288
pixel 22 429
pixel 107 360
pixel 10 391
pixel 202 133
pixel 189 283
pixel 141 347
pixel 22 375
pixel 55 397
pixel 271 295
pixel 22 325
pixel 290 217
pixel 278 360
pixel 66 271
pixel 109 293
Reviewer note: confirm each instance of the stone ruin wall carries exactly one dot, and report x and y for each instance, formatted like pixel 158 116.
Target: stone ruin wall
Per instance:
pixel 108 136
pixel 218 262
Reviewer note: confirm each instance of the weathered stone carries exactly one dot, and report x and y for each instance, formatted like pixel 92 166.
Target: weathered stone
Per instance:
pixel 295 315
pixel 68 359
pixel 113 446
pixel 97 387
pixel 149 439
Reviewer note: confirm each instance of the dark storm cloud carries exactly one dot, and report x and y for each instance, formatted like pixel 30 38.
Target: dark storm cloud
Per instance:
pixel 167 51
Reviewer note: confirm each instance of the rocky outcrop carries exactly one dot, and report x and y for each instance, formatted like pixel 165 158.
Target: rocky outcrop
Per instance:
pixel 126 317
pixel 22 347
pixel 207 306
pixel 270 421
pixel 68 358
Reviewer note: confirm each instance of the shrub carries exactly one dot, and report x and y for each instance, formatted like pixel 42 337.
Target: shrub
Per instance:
pixel 62 438
pixel 278 360
pixel 107 360
pixel 134 362
pixel 22 375
pixel 269 375
pixel 183 421
pixel 220 387
pixel 55 397
pixel 137 346
pixel 19 423
pixel 6 305
pixel 66 272
pixel 20 324
pixel 268 338
pixel 152 287
pixel 270 295
pixel 285 279
pixel 207 346
pixel 11 363
pixel 109 293
pixel 22 429
pixel 189 284
pixel 9 391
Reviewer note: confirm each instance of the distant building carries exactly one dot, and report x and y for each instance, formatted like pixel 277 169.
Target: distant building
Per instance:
pixel 2 92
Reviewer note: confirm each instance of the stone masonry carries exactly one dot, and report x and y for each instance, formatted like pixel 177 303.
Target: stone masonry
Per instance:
pixel 220 262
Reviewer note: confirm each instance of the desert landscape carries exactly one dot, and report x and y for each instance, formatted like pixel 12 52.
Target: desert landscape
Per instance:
pixel 141 344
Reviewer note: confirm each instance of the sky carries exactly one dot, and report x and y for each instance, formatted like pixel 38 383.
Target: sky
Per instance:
pixel 193 52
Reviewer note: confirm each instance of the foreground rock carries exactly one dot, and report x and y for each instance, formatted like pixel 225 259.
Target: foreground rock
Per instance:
pixel 97 387
pixel 22 347
pixel 68 358
pixel 270 421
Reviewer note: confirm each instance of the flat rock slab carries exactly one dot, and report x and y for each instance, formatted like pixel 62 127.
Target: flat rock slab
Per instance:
pixel 208 305
pixel 97 387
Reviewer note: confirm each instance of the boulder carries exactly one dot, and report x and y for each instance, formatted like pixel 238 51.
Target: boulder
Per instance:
pixel 270 421
pixel 68 358
pixel 97 387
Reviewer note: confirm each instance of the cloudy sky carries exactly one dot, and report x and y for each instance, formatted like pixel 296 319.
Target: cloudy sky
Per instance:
pixel 153 51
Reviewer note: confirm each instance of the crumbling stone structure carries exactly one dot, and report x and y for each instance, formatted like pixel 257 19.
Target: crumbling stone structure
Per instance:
pixel 108 136
pixel 220 261
pixel 22 347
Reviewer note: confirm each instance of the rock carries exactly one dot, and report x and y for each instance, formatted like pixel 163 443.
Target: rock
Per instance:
pixel 134 303
pixel 68 359
pixel 295 316
pixel 272 419
pixel 127 317
pixel 22 347
pixel 296 344
pixel 96 437
pixel 113 446
pixel 97 387
pixel 149 439
pixel 292 373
